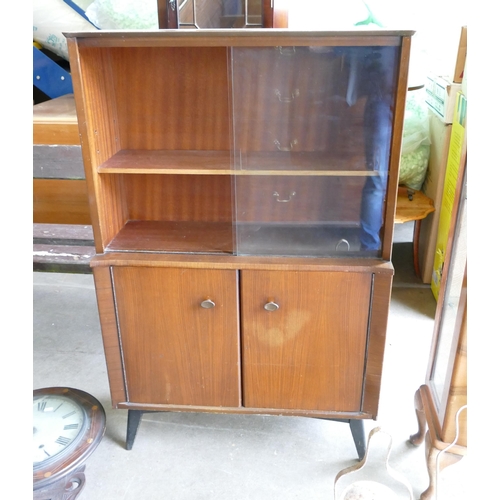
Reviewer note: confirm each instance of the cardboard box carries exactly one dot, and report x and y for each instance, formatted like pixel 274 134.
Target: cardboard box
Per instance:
pixel 440 95
pixel 440 133
pixel 456 161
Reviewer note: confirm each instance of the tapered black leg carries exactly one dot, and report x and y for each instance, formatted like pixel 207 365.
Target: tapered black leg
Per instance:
pixel 133 421
pixel 358 434
pixel 356 425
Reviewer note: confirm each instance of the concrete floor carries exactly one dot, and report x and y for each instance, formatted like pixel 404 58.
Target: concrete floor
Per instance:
pixel 191 456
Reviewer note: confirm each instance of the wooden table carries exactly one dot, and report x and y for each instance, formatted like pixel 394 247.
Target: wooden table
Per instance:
pixel 415 206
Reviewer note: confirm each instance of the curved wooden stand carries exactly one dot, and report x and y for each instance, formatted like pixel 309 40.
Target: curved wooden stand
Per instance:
pixel 439 454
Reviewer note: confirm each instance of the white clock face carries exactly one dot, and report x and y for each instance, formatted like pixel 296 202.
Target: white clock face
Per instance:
pixel 57 422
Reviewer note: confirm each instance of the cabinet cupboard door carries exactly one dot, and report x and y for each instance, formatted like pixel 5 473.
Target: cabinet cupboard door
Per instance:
pixel 175 350
pixel 309 352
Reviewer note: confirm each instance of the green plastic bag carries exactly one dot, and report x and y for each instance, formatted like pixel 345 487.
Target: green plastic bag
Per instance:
pixel 416 141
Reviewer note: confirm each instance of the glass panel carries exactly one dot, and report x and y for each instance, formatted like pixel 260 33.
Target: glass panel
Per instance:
pixel 312 137
pixel 456 272
pixel 220 13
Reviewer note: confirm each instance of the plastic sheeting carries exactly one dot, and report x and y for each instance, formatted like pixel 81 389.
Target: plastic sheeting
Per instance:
pixel 52 18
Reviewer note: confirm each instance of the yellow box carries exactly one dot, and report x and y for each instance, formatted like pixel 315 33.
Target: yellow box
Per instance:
pixel 456 160
pixel 433 187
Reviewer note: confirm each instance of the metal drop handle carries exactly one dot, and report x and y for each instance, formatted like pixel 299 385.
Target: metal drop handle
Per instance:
pixel 286 51
pixel 271 306
pixel 343 241
pixel 284 148
pixel 286 200
pixel 208 304
pixel 295 93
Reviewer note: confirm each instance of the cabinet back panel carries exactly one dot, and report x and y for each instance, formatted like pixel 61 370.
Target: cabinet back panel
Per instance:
pixel 179 197
pixel 298 199
pixel 282 99
pixel 172 97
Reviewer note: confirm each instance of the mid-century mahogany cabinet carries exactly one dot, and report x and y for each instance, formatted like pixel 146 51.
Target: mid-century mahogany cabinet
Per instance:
pixel 242 190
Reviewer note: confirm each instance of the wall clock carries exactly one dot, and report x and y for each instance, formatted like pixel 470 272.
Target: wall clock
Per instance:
pixel 68 425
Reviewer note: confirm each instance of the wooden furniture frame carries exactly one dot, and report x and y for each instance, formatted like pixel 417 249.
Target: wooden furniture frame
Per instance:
pixel 178 148
pixel 62 233
pixel 174 14
pixel 441 403
pixel 63 248
pixel 59 188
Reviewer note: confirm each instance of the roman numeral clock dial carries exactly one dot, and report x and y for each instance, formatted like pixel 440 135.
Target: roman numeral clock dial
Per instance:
pixel 68 424
pixel 57 422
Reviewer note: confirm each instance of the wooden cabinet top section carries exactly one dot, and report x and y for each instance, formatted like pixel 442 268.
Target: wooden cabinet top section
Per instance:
pixel 170 119
pixel 238 38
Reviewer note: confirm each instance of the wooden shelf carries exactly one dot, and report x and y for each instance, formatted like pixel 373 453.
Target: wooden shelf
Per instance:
pixel 321 163
pixel 142 161
pixel 214 238
pixel 189 162
pixel 295 240
pixel 174 237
